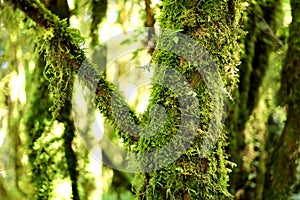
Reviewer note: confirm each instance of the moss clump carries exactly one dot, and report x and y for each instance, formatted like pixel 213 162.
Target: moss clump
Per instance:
pixel 58 56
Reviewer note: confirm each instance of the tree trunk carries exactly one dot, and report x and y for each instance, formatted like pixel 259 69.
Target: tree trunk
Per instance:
pixel 284 158
pixel 213 24
pixel 247 117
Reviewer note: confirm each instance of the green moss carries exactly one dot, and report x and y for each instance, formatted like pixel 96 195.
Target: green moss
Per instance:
pixel 190 176
pixel 59 55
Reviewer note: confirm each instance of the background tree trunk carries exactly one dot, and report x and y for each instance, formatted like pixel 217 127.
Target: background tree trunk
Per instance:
pixel 284 158
pixel 249 113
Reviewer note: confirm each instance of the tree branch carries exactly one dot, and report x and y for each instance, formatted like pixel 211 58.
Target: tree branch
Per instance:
pixel 105 91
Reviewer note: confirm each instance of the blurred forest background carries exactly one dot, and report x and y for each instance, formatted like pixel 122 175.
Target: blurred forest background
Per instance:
pixel 256 46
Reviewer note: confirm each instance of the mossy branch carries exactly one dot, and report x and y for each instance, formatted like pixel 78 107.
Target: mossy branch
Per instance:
pixel 68 40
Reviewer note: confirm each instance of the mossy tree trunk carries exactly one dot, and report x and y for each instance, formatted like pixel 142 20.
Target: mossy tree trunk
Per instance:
pixel 284 158
pixel 214 25
pixel 262 21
